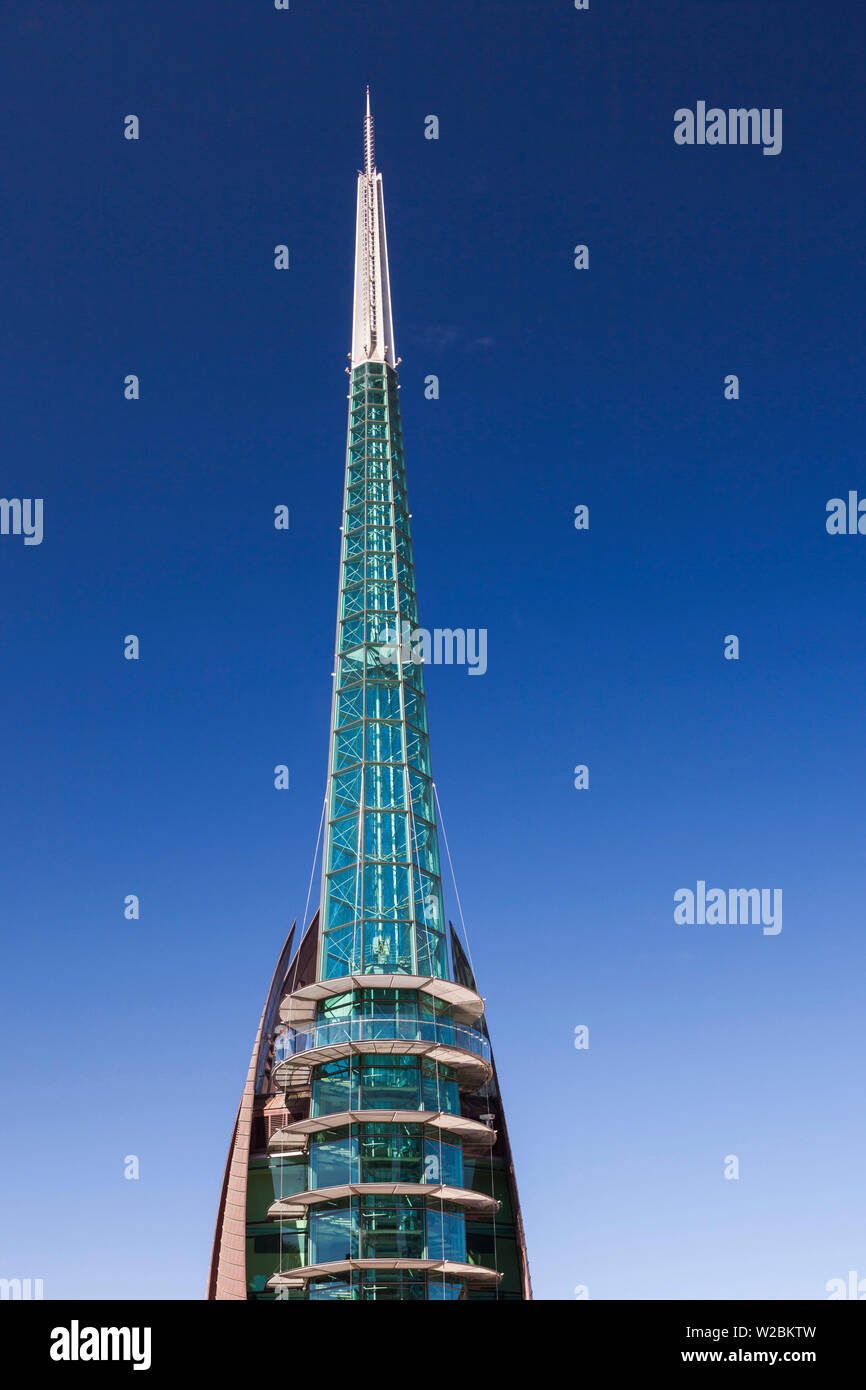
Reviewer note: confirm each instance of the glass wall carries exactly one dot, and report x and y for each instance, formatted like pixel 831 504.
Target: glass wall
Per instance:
pixel 385 1004
pixel 381 1014
pixel 384 1082
pixel 267 1180
pixel 333 1233
pixel 333 1158
pixel 270 1179
pixel 384 1153
pixel 495 1248
pixel 382 893
pixel 386 1226
pixel 269 1250
pixel 403 1285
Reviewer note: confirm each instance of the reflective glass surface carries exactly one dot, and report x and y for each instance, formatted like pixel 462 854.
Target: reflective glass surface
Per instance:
pixel 381 1082
pixel 382 893
pixel 384 1153
pixel 386 1227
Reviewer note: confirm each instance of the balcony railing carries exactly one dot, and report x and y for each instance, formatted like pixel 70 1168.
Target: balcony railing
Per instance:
pixel 361 1030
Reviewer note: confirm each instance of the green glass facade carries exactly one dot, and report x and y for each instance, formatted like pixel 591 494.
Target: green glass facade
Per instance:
pixel 382 892
pixel 383 1082
pixel 369 1226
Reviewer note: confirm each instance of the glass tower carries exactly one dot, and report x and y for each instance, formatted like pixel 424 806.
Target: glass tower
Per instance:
pixel 370 1158
pixel 381 890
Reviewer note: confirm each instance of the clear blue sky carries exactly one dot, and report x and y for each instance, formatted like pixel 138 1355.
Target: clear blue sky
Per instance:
pixel 558 387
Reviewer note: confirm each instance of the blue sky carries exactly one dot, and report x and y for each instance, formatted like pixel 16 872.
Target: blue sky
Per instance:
pixel 605 647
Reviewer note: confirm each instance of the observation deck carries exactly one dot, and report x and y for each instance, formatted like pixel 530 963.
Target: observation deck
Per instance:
pixel 454 1045
pixel 293 1138
pixel 299 1008
pixel 298 1203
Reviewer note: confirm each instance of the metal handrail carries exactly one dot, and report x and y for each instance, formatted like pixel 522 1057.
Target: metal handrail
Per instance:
pixel 363 1029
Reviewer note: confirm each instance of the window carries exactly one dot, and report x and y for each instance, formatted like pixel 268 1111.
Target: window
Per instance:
pixel 391 1153
pixel 333 1159
pixel 332 1087
pixel 390 1083
pixel 381 1082
pixel 392 1228
pixel 446 1235
pixel 443 1161
pixel 333 1234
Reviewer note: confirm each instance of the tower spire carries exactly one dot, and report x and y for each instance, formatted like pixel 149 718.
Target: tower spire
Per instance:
pixel 369 149
pixel 372 325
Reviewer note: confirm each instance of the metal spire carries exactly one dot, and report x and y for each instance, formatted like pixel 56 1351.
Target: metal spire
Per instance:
pixel 369 150
pixel 372 326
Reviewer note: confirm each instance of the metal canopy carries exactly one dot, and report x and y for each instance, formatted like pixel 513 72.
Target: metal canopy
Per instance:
pixel 299 1008
pixel 296 1278
pixel 471 1131
pixel 460 1196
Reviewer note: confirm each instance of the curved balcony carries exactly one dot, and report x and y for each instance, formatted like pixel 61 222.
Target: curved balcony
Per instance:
pixel 291 1139
pixel 298 1203
pixel 297 1278
pixel 299 1009
pixel 463 1049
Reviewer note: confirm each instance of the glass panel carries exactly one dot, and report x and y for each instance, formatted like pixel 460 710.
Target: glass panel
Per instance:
pixel 344 843
pixel 386 891
pixel 343 891
pixel 384 742
pixel 349 706
pixel 418 750
pixel 443 1162
pixel 392 1228
pixel 432 955
pixel 342 1290
pixel 353 601
pixel 334 1160
pixel 426 850
pixel 332 1087
pixel 348 746
pixel 388 948
pixel 440 1089
pixel 337 1006
pixel 382 700
pixel 422 795
pixel 382 597
pixel 390 1083
pixel 339 952
pixel 350 670
pixel 265 1256
pixel 445 1289
pixel 345 792
pixel 427 900
pixel 384 786
pixel 477 1177
pixel 333 1234
pixel 390 1153
pixel 446 1235
pixel 405 1286
pixel 386 836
